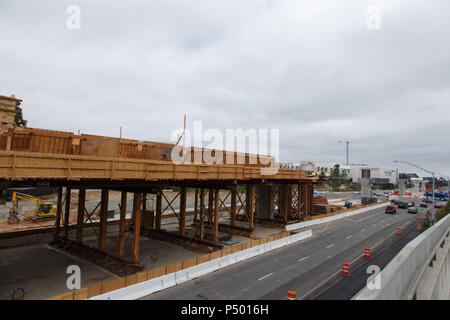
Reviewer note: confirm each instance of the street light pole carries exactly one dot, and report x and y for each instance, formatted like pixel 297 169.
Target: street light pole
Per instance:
pixel 432 173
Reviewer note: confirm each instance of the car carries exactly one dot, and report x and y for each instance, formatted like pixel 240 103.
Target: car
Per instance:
pixel 427 200
pixel 412 210
pixel 438 205
pixel 357 192
pixel 411 203
pixel 318 192
pixel 424 204
pixel 396 202
pixel 390 210
pixel 402 205
pixel 378 194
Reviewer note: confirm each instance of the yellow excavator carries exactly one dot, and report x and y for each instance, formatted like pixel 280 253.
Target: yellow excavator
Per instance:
pixel 43 211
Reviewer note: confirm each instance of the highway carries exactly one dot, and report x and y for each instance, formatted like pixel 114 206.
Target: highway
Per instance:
pixel 304 266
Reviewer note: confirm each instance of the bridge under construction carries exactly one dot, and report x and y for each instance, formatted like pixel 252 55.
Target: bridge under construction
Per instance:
pixel 75 163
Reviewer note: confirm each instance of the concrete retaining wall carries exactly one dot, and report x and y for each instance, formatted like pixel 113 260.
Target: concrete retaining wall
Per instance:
pixel 157 284
pixel 309 223
pixel 400 278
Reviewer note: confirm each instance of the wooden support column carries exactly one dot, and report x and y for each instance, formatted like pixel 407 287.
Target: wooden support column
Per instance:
pixel 269 202
pixel 137 225
pixel 210 205
pixel 103 219
pixel 158 209
pixel 306 199
pixel 202 212
pixel 123 213
pixel 288 201
pixel 249 204
pixel 233 206
pixel 58 211
pixel 182 225
pixel 67 212
pixel 299 188
pixel 216 215
pixel 80 215
pixel 196 204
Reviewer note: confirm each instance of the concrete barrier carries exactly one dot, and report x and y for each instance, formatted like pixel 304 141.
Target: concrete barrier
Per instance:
pixel 148 287
pixel 400 278
pixel 300 225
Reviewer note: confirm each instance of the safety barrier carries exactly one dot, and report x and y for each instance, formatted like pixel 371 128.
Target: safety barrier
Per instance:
pixel 400 278
pixel 295 226
pixel 150 281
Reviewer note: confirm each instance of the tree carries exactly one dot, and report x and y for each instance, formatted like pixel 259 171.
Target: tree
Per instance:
pixel 18 119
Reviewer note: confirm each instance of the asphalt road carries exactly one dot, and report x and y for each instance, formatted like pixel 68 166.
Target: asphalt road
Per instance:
pixel 304 266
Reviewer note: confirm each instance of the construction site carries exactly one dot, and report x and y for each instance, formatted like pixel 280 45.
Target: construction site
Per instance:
pixel 124 212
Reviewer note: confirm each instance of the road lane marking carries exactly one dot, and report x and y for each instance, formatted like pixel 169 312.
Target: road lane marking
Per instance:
pixel 374 225
pixel 331 245
pixel 382 221
pixel 349 237
pixel 303 258
pixel 363 230
pixel 266 276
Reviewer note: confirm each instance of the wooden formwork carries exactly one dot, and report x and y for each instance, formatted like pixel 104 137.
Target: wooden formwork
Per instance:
pixel 16 165
pixel 60 142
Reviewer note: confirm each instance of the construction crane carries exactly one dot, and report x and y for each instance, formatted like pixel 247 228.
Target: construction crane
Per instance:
pixel 43 211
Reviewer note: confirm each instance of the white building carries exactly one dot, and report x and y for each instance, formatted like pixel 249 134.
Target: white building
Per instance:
pixel 378 174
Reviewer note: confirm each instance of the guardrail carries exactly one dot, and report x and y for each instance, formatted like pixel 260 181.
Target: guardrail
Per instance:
pixel 400 278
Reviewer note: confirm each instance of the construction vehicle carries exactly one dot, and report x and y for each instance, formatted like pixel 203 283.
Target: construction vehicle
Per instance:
pixel 43 211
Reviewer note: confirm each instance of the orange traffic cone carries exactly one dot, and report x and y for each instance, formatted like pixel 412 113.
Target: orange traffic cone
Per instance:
pixel 291 294
pixel 367 252
pixel 418 227
pixel 399 231
pixel 417 217
pixel 346 268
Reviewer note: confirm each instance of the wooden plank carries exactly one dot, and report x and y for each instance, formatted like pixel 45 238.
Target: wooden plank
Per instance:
pixel 202 212
pixel 216 215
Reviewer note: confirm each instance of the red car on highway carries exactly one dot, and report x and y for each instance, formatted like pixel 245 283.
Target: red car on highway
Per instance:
pixel 391 210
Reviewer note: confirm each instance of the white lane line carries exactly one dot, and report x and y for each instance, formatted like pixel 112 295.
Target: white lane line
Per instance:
pixel 349 237
pixel 331 245
pixel 374 225
pixel 303 258
pixel 266 276
pixel 382 221
pixel 363 230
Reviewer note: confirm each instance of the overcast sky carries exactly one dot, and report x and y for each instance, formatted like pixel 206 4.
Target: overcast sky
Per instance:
pixel 313 69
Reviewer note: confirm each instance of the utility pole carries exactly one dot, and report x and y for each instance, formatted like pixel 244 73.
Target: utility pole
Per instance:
pixel 347 142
